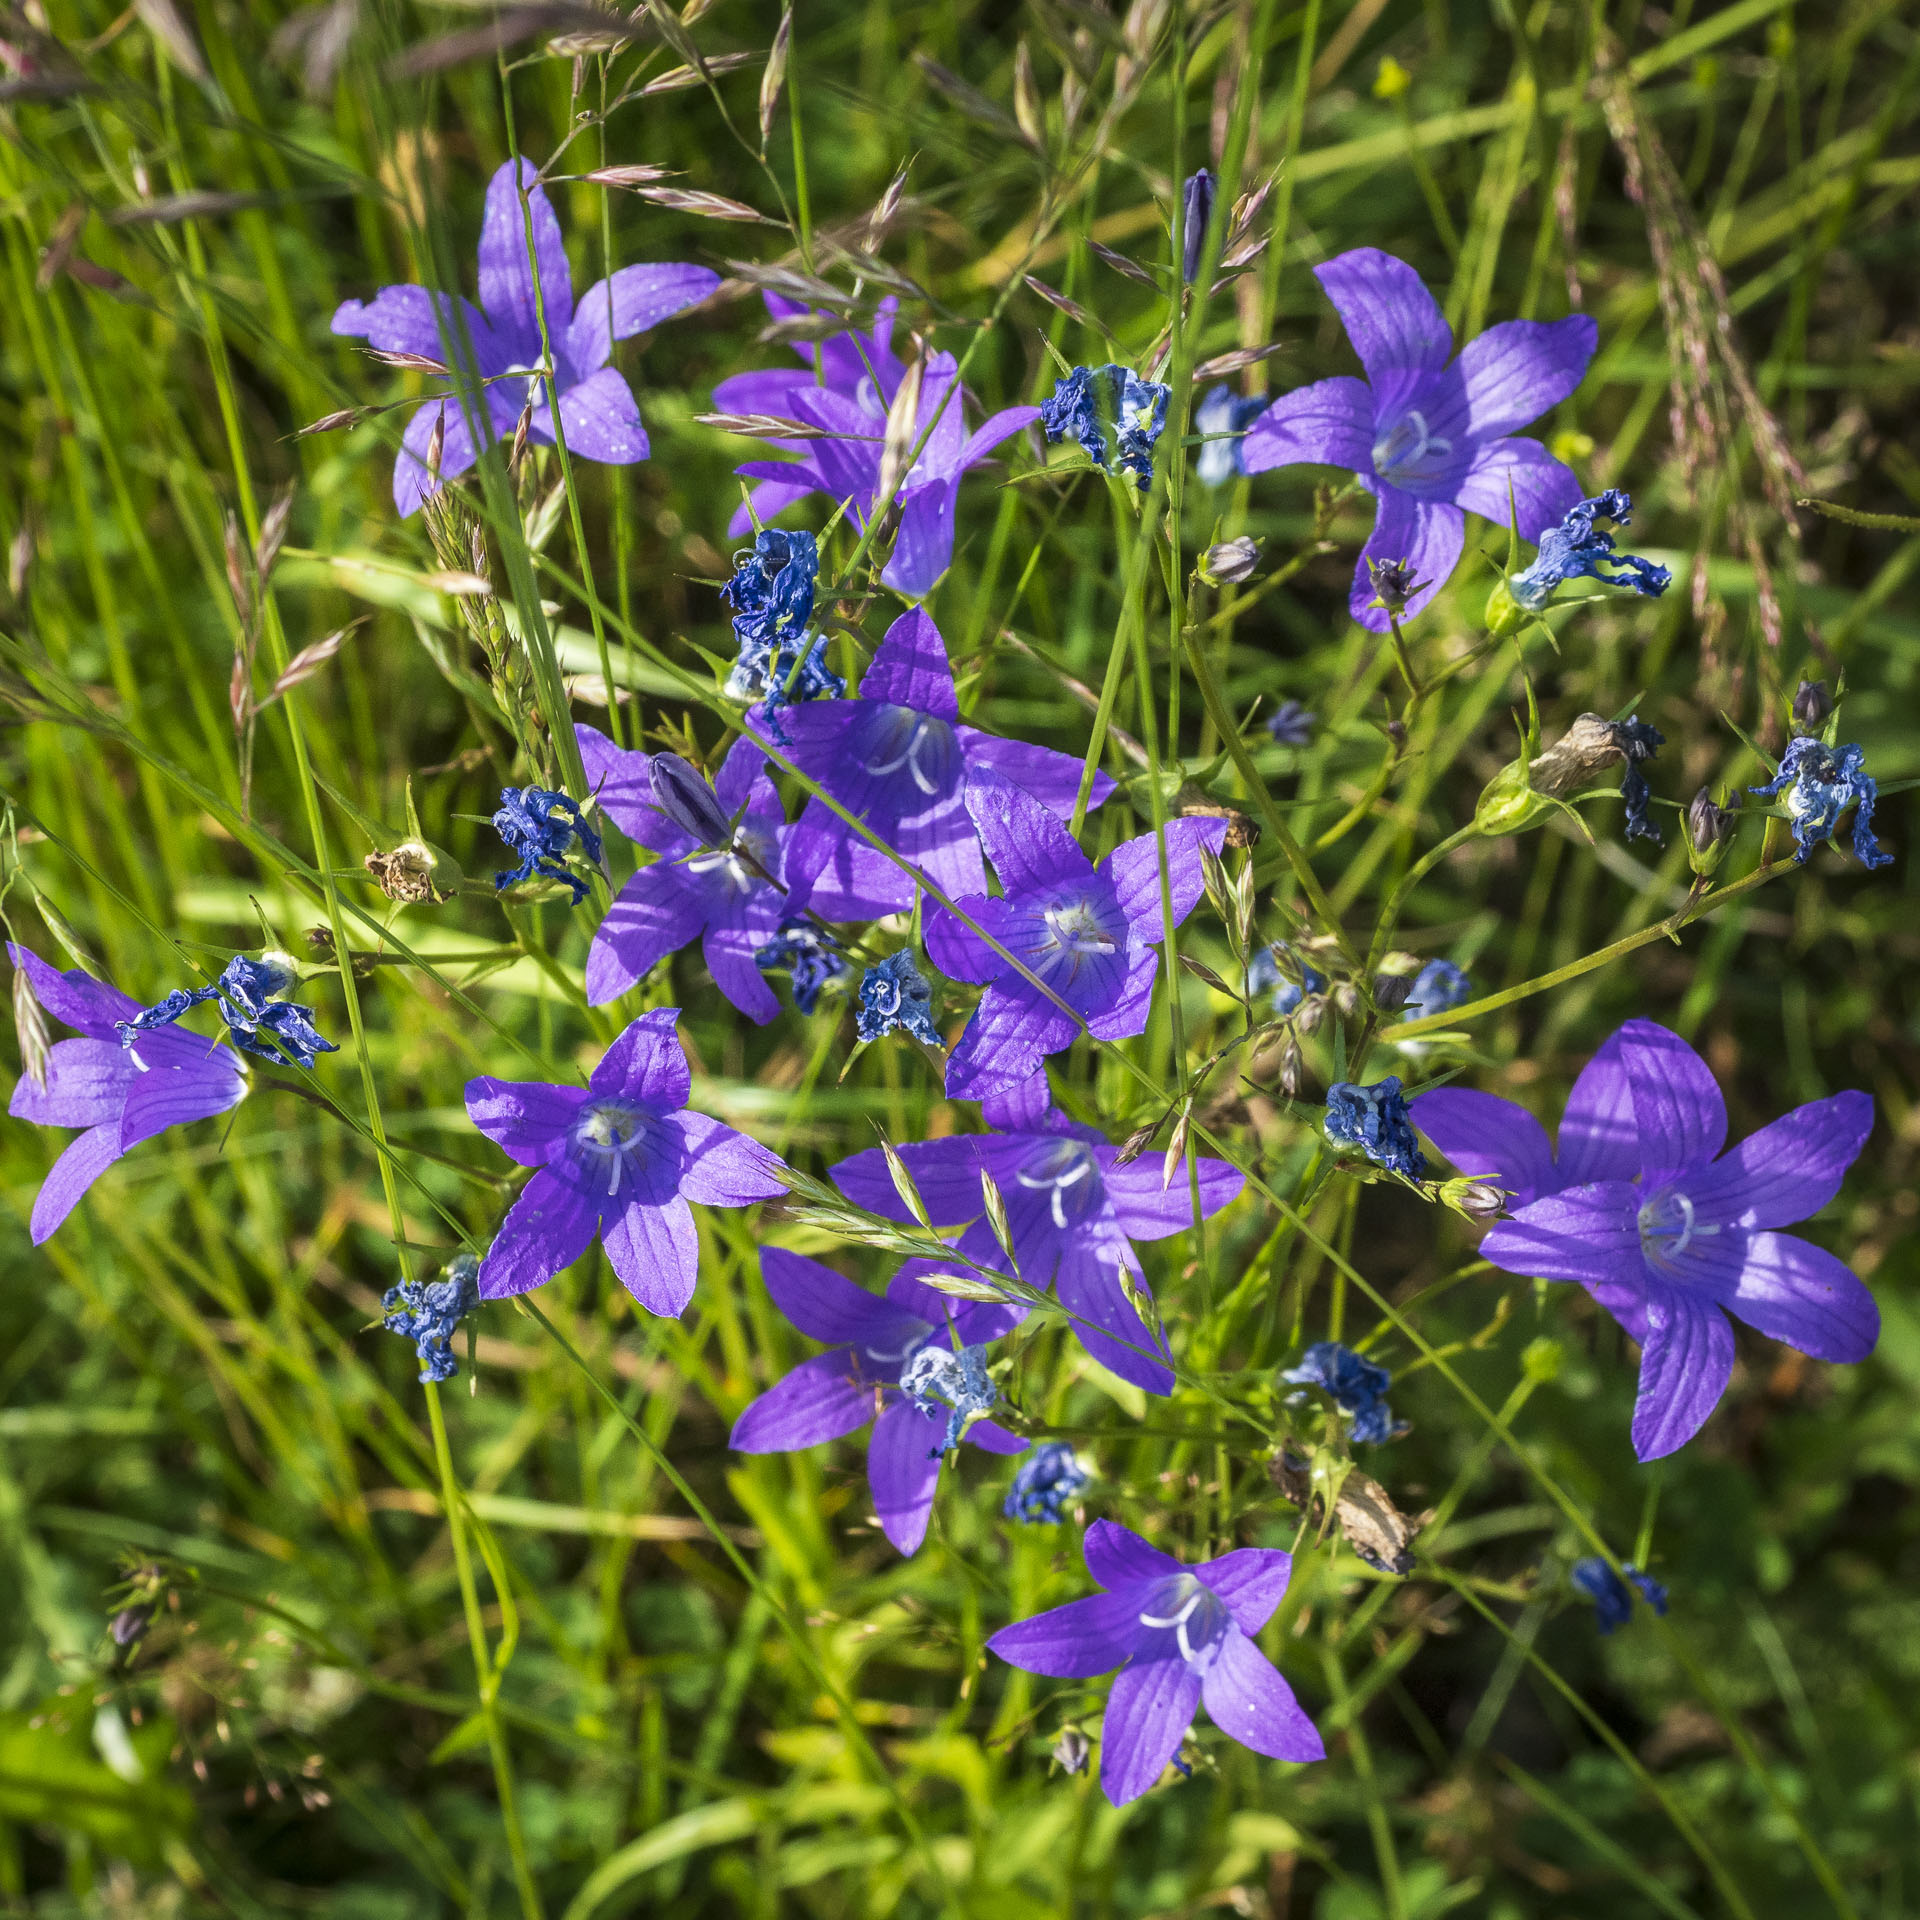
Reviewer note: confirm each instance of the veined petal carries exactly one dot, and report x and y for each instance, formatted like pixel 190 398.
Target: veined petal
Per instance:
pixel 647 1063
pixel 1012 1030
pixel 1029 846
pixel 923 548
pixel 728 947
pixel 548 1228
pixel 1125 1013
pixel 1104 1321
pixel 1515 371
pixel 413 320
pixel 1489 1139
pixel 1149 1709
pixel 1249 1702
pixel 1677 1109
pixel 821 1399
pixel 1787 1171
pixel 957 950
pixel 1395 324
pixel 1133 867
pixel 1147 1211
pixel 1587 1234
pixel 992 430
pixel 1506 478
pixel 1684 1365
pixel 1326 424
pixel 1118 1558
pixel 506 276
pixel 655 1249
pixel 83 1162
pixel 74 998
pixel 724 1168
pixel 1051 778
pixel 1075 1642
pixel 903 1469
pixel 620 782
pixel 1250 1582
pixel 1598 1140
pixel 523 1117
pixel 632 301
pixel 87 1082
pixel 946 1172
pixel 177 1096
pixel 1792 1290
pixel 656 913
pixel 991 1437
pixel 1427 534
pixel 910 668
pixel 827 1306
pixel 600 418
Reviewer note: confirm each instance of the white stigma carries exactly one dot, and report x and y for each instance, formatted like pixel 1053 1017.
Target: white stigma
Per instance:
pixel 1178 1621
pixel 919 739
pixel 1407 443
pixel 611 1131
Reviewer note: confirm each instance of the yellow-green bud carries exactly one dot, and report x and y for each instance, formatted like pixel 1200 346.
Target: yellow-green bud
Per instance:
pixel 1505 616
pixel 1508 803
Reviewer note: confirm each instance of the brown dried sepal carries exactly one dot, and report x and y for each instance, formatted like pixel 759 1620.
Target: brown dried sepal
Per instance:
pixel 1372 1525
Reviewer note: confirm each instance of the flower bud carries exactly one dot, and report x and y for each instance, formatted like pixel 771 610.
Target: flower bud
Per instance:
pixel 1505 615
pixel 1229 562
pixel 130 1624
pixel 1196 211
pixel 1477 1200
pixel 1071 1750
pixel 1393 584
pixel 1709 829
pixel 682 792
pixel 1508 803
pixel 1811 705
pixel 1390 991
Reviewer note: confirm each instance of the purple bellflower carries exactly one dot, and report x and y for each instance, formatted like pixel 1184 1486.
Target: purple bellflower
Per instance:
pixel 781 660
pixel 1612 1596
pixel 616 1160
pixel 1072 1214
pixel 1083 930
pixel 718 895
pixel 1182 1637
pixel 873 1341
pixel 1291 724
pixel 1196 212
pixel 501 346
pixel 849 408
pixel 899 759
pixel 1668 1232
pixel 1374 1118
pixel 1825 784
pixel 119 1096
pixel 1427 438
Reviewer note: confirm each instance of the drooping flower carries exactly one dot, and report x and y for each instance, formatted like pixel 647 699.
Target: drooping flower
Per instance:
pixel 1374 1119
pixel 1438 987
pixel 900 759
pixel 896 994
pixel 1072 1214
pixel 809 954
pixel 1112 414
pixel 1427 438
pixel 1637 742
pixel 1043 1483
pixel 617 1160
pixel 1223 418
pixel 1611 1596
pixel 1291 724
pixel 1182 1637
pixel 1084 931
pixel 539 824
pixel 497 353
pixel 872 1341
pixel 428 1312
pixel 848 405
pixel 1825 783
pixel 782 661
pixel 1358 1387
pixel 96 1084
pixel 1579 549
pixel 1264 976
pixel 257 1020
pixel 729 897
pixel 1689 1235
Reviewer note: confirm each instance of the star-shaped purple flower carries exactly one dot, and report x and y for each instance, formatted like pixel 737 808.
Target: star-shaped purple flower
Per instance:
pixel 617 1160
pixel 1668 1232
pixel 859 376
pixel 1182 1637
pixel 1073 1215
pixel 1426 438
pixel 899 758
pixel 120 1096
pixel 1084 930
pixel 693 891
pixel 502 343
pixel 872 1341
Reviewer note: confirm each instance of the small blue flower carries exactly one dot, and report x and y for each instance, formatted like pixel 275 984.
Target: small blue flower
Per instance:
pixel 1092 402
pixel 1825 784
pixel 1612 1603
pixel 246 991
pixel 938 1377
pixel 896 994
pixel 1578 549
pixel 1291 724
pixel 428 1313
pixel 1195 211
pixel 1358 1387
pixel 537 824
pixel 1043 1483
pixel 1438 987
pixel 809 953
pixel 1264 975
pixel 1222 412
pixel 1374 1119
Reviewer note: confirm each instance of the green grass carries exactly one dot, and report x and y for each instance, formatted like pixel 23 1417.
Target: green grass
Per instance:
pixel 640 1673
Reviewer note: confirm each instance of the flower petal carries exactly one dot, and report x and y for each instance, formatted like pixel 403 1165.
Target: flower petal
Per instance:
pixel 1598 1140
pixel 1125 1013
pixel 923 548
pixel 1787 1171
pixel 728 947
pixel 412 481
pixel 177 1096
pixel 946 1172
pixel 1012 1030
pixel 821 1399
pixel 1327 424
pixel 1677 1109
pixel 1028 845
pixel 647 1063
pixel 1104 1322
pixel 827 1306
pixel 548 1228
pixel 656 913
pixel 433 325
pixel 1051 778
pixel 1587 1234
pixel 1133 867
pixel 1149 1709
pixel 74 998
pixel 655 1249
pixel 83 1162
pixel 1147 1211
pixel 632 301
pixel 600 418
pixel 1792 1290
pixel 1074 1642
pixel 620 782
pixel 1249 1702
pixel 957 950
pixel 523 1117
pixel 1488 1138
pixel 903 1469
pixel 87 1082
pixel 910 668
pixel 1427 534
pixel 992 430
pixel 1118 1558
pixel 724 1168
pixel 1515 371
pixel 1395 324
pixel 991 1437
pixel 1684 1365
pixel 1251 1582
pixel 770 499
pixel 506 277
pixel 1509 478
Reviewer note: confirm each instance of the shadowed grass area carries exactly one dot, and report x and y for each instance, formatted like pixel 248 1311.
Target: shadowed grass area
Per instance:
pixel 285 1631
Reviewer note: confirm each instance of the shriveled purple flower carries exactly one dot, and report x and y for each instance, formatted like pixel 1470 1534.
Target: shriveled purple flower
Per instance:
pixel 849 408
pixel 1072 1214
pixel 497 353
pixel 873 1340
pixel 1291 724
pixel 617 1160
pixel 1825 783
pixel 428 1312
pixel 895 994
pixel 96 1084
pixel 1637 742
pixel 257 1020
pixel 808 954
pixel 1222 419
pixel 1438 987
pixel 1182 1637
pixel 539 825
pixel 1665 1230
pixel 782 661
pixel 1085 931
pixel 721 896
pixel 1611 1596
pixel 1394 584
pixel 1374 1119
pixel 900 759
pixel 1196 210
pixel 940 1378
pixel 1580 549
pixel 1427 438
pixel 1043 1483
pixel 1358 1387
pixel 1113 415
